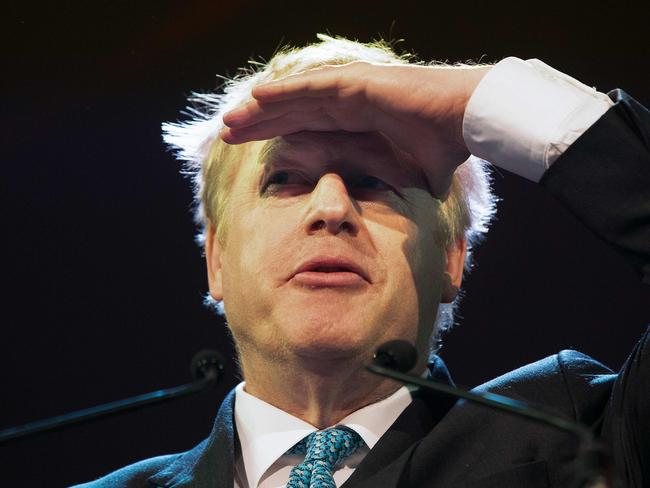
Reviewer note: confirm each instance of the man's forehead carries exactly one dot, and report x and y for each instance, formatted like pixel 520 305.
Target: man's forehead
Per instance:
pixel 327 148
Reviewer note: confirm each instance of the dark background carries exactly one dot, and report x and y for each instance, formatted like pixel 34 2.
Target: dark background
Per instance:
pixel 101 280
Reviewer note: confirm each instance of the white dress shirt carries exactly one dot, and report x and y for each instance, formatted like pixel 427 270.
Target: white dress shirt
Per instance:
pixel 265 433
pixel 522 116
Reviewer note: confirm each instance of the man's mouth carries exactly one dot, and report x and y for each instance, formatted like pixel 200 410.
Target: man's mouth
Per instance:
pixel 326 272
pixel 330 269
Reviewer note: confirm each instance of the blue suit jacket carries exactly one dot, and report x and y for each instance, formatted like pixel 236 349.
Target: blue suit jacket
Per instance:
pixel 604 179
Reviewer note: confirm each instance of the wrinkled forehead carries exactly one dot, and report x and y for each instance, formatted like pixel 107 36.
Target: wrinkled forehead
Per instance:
pixel 332 147
pixel 338 152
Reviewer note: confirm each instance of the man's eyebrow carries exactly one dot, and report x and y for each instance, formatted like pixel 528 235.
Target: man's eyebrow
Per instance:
pixel 270 150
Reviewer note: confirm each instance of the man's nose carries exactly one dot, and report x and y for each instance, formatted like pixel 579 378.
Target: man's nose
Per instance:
pixel 331 207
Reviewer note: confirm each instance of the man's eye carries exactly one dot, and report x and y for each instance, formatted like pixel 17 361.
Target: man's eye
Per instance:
pixel 367 182
pixel 277 180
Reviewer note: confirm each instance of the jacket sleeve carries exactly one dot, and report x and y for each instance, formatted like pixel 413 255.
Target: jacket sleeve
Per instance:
pixel 603 178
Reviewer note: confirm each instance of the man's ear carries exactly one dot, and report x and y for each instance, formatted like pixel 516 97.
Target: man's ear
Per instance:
pixel 213 262
pixel 453 275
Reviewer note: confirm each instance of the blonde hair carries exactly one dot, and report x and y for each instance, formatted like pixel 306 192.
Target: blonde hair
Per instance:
pixel 210 162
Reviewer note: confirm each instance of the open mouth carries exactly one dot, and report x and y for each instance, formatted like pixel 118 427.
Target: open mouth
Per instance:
pixel 331 269
pixel 330 272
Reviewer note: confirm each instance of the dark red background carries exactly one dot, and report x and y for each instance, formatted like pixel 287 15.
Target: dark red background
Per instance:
pixel 101 279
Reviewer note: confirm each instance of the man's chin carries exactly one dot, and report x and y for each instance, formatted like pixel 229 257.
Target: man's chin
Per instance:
pixel 323 309
pixel 330 364
pixel 323 350
pixel 330 331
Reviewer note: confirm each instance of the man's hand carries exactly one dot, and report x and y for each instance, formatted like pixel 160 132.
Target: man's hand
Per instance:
pixel 419 108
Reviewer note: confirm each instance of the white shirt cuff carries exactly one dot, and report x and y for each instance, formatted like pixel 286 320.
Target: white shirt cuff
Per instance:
pixel 524 114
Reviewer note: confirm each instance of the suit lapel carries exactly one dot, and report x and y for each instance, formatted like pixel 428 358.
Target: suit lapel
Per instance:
pixel 209 464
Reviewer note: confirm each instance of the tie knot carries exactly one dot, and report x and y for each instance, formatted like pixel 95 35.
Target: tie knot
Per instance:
pixel 323 449
pixel 329 445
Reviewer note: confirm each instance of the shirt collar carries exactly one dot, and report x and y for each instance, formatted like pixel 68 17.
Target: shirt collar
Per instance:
pixel 265 432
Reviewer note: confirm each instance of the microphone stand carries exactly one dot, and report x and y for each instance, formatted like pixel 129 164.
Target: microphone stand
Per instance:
pixel 207 369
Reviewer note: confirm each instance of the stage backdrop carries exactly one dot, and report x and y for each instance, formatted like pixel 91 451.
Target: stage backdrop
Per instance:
pixel 102 282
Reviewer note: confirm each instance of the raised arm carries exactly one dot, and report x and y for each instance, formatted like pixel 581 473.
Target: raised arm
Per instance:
pixel 604 179
pixel 590 150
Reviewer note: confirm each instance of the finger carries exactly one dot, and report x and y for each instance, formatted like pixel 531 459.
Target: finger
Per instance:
pixel 350 116
pixel 295 115
pixel 319 82
pixel 254 112
pixel 281 126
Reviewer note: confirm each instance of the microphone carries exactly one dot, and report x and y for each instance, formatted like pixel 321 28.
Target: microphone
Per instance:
pixel 207 364
pixel 397 354
pixel 395 358
pixel 206 368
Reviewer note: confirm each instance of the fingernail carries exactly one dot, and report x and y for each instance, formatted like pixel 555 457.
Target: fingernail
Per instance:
pixel 260 90
pixel 232 118
pixel 225 135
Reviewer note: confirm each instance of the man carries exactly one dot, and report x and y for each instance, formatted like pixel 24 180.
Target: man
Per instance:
pixel 336 215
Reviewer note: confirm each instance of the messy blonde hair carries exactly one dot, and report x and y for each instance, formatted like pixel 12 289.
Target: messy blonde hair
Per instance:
pixel 211 163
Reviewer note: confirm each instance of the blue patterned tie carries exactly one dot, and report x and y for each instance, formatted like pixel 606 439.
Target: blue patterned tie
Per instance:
pixel 323 449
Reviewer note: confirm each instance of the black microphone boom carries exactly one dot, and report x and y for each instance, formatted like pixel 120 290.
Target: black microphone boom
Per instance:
pixel 207 370
pixel 395 358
